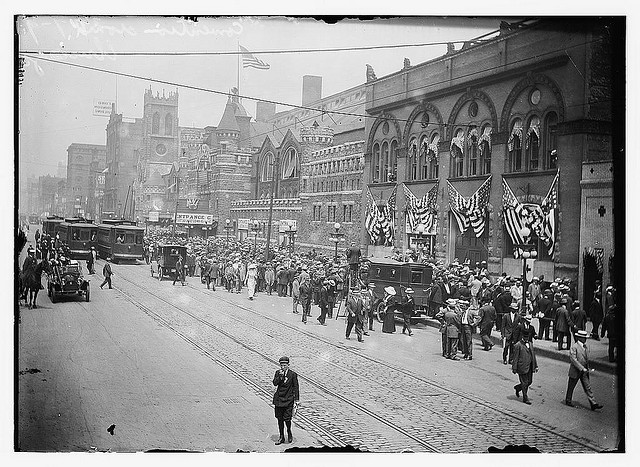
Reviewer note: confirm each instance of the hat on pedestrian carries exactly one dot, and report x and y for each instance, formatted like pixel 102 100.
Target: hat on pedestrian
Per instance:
pixel 581 333
pixel 451 301
pixel 372 285
pixel 513 305
pixel 528 317
pixel 283 360
pixel 390 290
pixel 535 278
pixel 409 290
pixel 332 283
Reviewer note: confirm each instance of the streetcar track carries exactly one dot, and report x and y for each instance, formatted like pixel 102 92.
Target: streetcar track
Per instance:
pixel 442 389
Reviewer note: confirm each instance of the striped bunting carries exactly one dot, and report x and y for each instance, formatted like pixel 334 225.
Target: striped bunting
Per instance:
pixel 250 61
pixel 372 219
pixel 422 211
pixel 471 212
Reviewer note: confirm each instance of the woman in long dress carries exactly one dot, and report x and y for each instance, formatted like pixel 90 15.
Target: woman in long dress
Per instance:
pixel 250 280
pixel 390 302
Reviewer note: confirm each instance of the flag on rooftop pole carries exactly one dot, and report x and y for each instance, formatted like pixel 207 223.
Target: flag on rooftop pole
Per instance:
pixel 250 61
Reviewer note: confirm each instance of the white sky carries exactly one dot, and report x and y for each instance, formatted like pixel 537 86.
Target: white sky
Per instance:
pixel 56 101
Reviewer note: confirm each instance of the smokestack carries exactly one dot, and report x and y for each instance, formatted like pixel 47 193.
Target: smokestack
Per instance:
pixel 311 89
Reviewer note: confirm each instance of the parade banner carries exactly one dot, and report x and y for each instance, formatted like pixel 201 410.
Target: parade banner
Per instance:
pixel 470 212
pixel 194 219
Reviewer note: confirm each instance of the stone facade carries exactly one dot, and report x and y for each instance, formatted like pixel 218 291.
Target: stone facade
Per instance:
pixel 510 107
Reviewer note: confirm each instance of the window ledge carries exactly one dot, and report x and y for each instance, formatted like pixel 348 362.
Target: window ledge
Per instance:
pixel 473 177
pixel 529 174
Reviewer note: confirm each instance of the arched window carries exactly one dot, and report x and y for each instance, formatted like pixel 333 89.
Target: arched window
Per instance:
pixel 290 164
pixel 266 168
pixel 514 145
pixel 393 170
pixel 385 162
pixel 413 158
pixel 457 152
pixel 472 150
pixel 532 144
pixel 424 158
pixel 155 124
pixel 432 155
pixel 484 147
pixel 551 141
pixel 168 125
pixel 376 163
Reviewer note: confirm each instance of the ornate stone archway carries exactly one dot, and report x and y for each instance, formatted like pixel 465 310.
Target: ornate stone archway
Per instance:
pixel 422 107
pixel 473 94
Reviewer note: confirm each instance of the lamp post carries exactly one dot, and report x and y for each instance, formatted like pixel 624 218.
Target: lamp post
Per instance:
pixel 255 228
pixel 291 233
pixel 227 228
pixel 336 237
pixel 529 251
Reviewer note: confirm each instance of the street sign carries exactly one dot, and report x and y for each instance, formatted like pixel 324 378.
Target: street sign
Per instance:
pixel 529 269
pixel 243 224
pixel 194 218
pixel 285 223
pixel 102 108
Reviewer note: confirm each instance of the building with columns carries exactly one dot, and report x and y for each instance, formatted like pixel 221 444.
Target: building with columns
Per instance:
pixel 506 114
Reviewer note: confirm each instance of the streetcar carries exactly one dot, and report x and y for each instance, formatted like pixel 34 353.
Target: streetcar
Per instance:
pixel 120 240
pixel 400 275
pixel 79 234
pixel 164 260
pixel 50 225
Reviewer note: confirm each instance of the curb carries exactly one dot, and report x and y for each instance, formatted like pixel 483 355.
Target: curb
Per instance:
pixel 561 355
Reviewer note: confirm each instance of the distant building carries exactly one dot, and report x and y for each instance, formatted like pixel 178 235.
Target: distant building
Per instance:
pixel 85 164
pixel 51 196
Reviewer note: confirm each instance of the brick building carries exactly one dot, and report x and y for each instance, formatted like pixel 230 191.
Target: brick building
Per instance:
pixel 85 163
pixel 308 162
pixel 521 107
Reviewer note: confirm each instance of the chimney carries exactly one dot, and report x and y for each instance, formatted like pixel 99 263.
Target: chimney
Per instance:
pixel 311 89
pixel 265 111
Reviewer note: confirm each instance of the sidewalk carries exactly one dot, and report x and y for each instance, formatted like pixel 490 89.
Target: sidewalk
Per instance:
pixel 599 349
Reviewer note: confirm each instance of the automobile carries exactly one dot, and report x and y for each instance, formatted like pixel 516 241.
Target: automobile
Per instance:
pixel 66 278
pixel 385 272
pixel 163 263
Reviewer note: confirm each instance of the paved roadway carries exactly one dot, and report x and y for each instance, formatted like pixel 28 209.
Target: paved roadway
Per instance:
pixel 185 368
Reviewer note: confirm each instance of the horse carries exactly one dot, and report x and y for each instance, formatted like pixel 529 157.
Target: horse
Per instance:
pixel 32 282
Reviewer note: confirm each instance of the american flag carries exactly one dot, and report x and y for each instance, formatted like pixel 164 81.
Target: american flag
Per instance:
pixel 422 211
pixel 372 218
pixel 387 219
pixel 513 222
pixel 250 61
pixel 549 208
pixel 472 211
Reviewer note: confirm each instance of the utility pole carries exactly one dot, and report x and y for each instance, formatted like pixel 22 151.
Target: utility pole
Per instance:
pixel 175 213
pixel 273 191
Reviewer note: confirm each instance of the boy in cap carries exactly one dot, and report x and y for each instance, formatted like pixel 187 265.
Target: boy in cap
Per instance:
pixel 286 397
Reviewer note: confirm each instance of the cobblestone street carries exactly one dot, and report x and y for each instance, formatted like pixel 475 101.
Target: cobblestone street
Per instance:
pixel 209 385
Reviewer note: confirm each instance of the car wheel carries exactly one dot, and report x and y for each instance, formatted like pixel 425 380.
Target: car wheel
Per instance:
pixel 49 290
pixel 379 311
pixel 88 293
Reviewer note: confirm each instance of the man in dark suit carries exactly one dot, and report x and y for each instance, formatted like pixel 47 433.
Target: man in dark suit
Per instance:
pixel 544 314
pixel 286 397
pixel 501 304
pixel 596 315
pixel 524 365
pixel 487 315
pixel 510 322
pixel 355 314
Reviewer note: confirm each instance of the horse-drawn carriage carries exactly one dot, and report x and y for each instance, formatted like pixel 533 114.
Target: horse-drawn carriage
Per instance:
pixel 66 278
pixel 163 263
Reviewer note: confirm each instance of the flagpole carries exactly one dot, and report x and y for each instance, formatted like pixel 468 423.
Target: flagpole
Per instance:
pixel 238 63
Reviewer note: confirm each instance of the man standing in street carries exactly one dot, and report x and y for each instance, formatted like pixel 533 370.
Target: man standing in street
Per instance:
pixel 579 370
pixel 596 315
pixel 564 324
pixel 611 327
pixel 452 323
pixel 544 314
pixel 304 296
pixel 524 365
pixel 487 314
pixel 468 320
pixel 368 300
pixel 107 273
pixel 354 314
pixel 408 308
pixel 286 397
pixel 323 301
pixel 510 322
pixel 179 271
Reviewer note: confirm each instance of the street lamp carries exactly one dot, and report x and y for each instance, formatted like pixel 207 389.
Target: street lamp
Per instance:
pixel 336 237
pixel 291 232
pixel 227 228
pixel 255 228
pixel 528 252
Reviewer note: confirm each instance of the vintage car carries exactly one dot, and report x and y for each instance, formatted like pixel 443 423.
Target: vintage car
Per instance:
pixel 164 260
pixel 66 279
pixel 399 275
